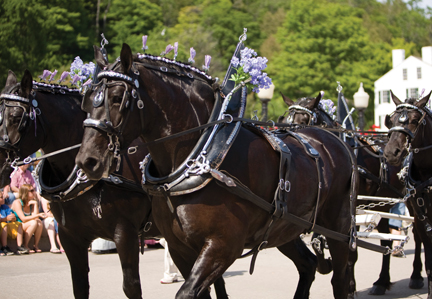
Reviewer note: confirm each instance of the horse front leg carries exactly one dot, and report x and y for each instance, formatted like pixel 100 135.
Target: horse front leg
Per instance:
pixel 343 259
pixel 77 253
pixel 207 269
pixel 126 240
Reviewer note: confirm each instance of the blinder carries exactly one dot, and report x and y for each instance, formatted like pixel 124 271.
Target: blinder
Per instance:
pixel 387 121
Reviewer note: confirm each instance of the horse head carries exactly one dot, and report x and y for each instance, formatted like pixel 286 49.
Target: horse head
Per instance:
pixel 307 111
pixel 16 113
pixel 34 115
pixel 134 97
pixel 404 125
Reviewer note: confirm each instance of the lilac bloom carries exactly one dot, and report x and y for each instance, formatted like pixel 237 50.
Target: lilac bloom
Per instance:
pixel 235 62
pixel 192 55
pixel 52 75
pixel 88 69
pixel 144 41
pixel 63 76
pixel 168 49
pixel 45 74
pixel 75 79
pixel 88 82
pixel 76 65
pixel 175 48
pixel 207 60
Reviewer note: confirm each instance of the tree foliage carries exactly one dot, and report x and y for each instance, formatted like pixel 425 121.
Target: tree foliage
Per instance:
pixel 310 44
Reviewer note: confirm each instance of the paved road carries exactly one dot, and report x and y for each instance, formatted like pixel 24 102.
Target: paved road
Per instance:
pixel 46 276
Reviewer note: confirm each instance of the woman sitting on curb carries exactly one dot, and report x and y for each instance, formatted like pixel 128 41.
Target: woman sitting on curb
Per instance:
pixel 27 211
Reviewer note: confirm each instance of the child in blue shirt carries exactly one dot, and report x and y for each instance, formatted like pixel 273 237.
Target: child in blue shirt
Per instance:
pixel 10 228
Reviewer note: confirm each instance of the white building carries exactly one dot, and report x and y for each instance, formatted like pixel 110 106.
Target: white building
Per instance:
pixel 406 79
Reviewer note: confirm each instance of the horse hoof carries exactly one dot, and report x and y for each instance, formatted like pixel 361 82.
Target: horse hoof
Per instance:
pixel 416 284
pixel 377 290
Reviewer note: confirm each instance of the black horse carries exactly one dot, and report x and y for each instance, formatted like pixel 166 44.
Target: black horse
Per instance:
pixel 36 115
pixel 377 178
pixel 205 223
pixel 411 142
pixel 122 197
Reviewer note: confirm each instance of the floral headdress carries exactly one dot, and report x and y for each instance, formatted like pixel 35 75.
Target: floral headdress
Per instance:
pixel 250 66
pixel 327 106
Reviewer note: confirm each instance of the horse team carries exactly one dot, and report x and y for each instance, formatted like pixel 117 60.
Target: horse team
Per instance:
pixel 211 192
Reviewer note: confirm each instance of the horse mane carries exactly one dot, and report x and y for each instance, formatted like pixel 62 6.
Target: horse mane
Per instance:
pixel 180 66
pixel 54 88
pixel 411 101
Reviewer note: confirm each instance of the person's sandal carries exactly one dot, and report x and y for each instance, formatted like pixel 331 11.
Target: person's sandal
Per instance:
pixel 55 250
pixel 22 250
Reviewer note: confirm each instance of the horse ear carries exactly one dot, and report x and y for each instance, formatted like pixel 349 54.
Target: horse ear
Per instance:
pixel 11 79
pixel 421 103
pixel 26 84
pixel 395 99
pixel 100 59
pixel 126 58
pixel 317 100
pixel 287 100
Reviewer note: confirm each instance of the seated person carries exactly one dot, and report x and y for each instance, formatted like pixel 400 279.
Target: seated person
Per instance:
pixel 27 211
pixel 21 176
pixel 10 228
pixel 49 223
pixel 8 195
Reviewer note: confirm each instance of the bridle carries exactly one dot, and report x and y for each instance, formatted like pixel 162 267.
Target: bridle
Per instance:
pixel 128 99
pixel 313 115
pixel 11 99
pixel 403 118
pixel 292 110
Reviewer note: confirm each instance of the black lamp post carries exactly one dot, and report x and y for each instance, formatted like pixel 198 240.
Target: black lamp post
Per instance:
pixel 265 95
pixel 361 101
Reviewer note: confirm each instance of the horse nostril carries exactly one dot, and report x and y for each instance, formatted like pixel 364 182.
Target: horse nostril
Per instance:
pixel 90 163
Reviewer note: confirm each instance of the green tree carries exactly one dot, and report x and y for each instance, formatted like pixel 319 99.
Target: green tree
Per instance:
pixel 37 35
pixel 128 21
pixel 322 43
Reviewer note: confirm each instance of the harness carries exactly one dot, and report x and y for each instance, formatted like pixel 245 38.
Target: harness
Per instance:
pixel 415 189
pixel 202 164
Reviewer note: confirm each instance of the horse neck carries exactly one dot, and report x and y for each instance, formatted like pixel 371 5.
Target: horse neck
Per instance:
pixel 423 159
pixel 169 115
pixel 61 118
pixel 323 117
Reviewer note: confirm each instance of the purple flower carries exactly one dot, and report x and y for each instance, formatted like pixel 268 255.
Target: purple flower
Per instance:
pixel 63 76
pixel 75 79
pixel 45 74
pixel 168 49
pixel 192 55
pixel 251 66
pixel 144 41
pixel 76 65
pixel 175 50
pixel 88 82
pixel 87 70
pixel 207 60
pixel 52 75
